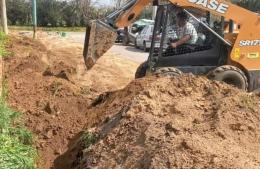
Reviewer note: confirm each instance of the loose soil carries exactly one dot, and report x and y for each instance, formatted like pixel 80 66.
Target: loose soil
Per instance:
pixel 47 82
pixel 178 123
pixel 100 119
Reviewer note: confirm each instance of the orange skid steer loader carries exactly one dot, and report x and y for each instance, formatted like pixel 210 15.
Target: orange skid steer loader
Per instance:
pixel 231 56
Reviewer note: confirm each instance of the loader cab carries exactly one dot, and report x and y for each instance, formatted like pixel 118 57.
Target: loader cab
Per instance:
pixel 206 52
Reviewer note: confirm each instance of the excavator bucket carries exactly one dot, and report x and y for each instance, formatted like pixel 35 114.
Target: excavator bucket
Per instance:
pixel 99 39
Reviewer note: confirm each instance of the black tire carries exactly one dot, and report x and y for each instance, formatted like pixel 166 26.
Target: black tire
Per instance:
pixel 125 41
pixel 168 71
pixel 136 46
pixel 141 70
pixel 230 75
pixel 145 47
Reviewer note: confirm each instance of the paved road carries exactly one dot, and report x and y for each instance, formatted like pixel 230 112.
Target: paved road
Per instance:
pixel 128 52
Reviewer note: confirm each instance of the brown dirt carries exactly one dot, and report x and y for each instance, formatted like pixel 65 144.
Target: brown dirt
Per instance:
pixel 177 123
pixel 47 81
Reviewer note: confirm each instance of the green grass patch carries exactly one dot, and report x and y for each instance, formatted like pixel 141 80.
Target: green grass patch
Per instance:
pixel 3 41
pixel 49 29
pixel 16 150
pixel 88 139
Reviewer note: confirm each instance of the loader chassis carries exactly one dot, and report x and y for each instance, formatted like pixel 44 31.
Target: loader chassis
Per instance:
pixel 222 52
pixel 212 5
pixel 199 60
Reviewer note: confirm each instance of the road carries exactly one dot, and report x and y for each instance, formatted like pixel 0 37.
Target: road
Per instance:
pixel 128 52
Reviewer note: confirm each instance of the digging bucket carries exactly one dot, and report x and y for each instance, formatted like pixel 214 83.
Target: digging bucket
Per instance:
pixel 100 37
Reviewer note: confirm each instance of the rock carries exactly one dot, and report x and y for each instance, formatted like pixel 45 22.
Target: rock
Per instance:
pixel 39 128
pixel 58 151
pixel 50 109
pixel 169 127
pixel 49 134
pixel 47 108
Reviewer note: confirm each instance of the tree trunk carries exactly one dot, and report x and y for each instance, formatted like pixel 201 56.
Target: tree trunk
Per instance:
pixel 4 17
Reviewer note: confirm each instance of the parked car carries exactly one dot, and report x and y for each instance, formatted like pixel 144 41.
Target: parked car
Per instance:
pixel 144 38
pixel 135 29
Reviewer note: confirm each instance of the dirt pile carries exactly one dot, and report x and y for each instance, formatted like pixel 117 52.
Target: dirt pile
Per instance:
pixel 54 107
pixel 47 81
pixel 185 122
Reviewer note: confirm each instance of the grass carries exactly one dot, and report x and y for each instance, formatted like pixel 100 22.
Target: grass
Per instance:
pixel 56 87
pixel 16 150
pixel 49 29
pixel 3 41
pixel 88 139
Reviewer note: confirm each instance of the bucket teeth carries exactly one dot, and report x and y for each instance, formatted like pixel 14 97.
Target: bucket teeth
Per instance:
pixel 99 39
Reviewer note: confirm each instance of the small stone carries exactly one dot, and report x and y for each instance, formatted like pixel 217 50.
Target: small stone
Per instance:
pixel 55 132
pixel 189 89
pixel 39 129
pixel 49 134
pixel 148 94
pixel 47 108
pixel 57 152
pixel 169 127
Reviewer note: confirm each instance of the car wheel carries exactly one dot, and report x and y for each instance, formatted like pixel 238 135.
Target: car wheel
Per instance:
pixel 125 41
pixel 136 46
pixel 145 47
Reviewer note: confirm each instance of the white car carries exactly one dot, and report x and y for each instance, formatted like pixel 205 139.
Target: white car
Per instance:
pixel 144 38
pixel 134 29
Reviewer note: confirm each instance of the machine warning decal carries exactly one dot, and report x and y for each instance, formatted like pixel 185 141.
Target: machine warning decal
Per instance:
pixel 236 53
pixel 212 5
pixel 249 43
pixel 253 55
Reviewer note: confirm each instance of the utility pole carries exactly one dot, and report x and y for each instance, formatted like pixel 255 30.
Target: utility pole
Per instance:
pixel 34 17
pixel 154 12
pixel 4 17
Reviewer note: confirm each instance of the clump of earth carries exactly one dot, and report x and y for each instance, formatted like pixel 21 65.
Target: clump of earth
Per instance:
pixel 183 122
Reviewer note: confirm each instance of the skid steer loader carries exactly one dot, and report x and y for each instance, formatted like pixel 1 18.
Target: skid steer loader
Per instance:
pixel 231 56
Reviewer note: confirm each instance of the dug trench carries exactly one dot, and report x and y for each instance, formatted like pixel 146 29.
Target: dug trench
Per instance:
pixel 156 122
pixel 47 82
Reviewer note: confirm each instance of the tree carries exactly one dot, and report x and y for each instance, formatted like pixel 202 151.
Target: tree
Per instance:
pixel 49 12
pixel 18 12
pixel 55 12
pixel 4 18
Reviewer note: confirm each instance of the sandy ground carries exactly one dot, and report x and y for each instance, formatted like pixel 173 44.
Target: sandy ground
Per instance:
pixel 126 52
pixel 48 82
pixel 103 118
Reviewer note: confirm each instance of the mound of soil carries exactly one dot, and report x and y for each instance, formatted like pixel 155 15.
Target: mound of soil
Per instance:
pixel 47 81
pixel 54 107
pixel 184 122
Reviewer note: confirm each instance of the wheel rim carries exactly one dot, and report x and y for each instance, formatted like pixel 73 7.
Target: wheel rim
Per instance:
pixel 233 82
pixel 230 75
